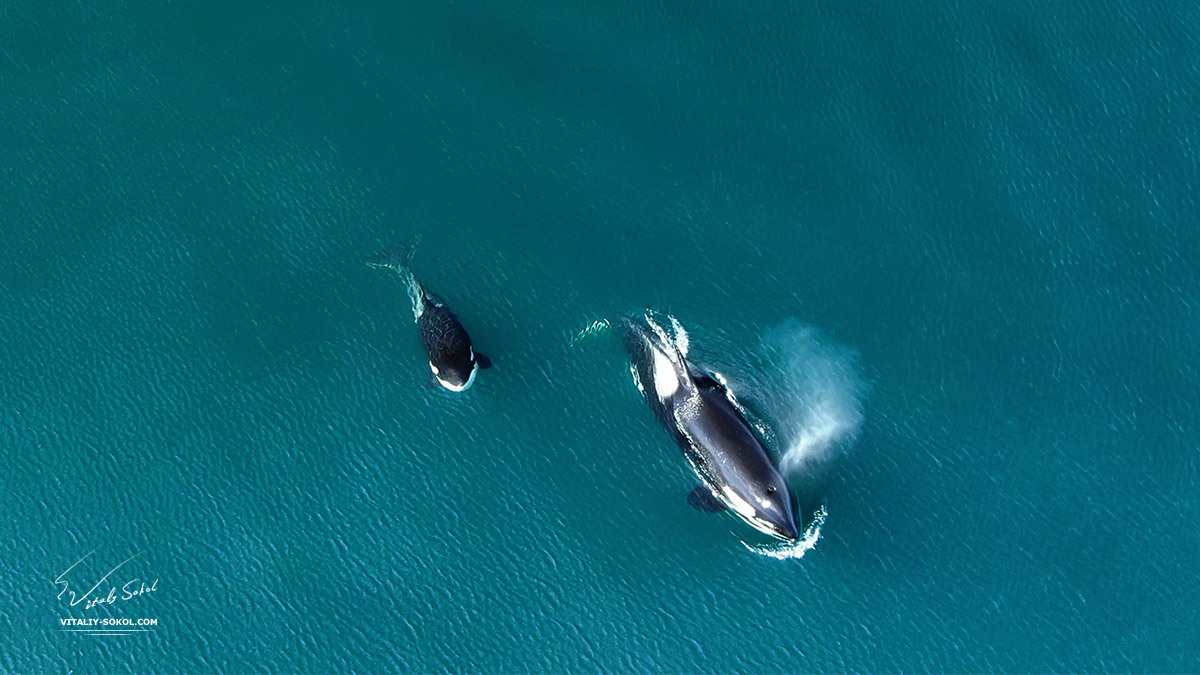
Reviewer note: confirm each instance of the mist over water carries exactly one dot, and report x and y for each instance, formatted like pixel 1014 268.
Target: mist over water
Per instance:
pixel 805 392
pixel 807 402
pixel 810 391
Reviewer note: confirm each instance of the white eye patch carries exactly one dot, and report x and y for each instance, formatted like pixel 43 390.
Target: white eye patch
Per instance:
pixel 666 382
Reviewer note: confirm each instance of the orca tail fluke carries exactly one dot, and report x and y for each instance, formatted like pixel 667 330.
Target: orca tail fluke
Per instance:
pixel 397 258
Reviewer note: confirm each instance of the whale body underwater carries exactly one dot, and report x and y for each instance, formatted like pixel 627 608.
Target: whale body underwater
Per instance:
pixel 735 469
pixel 452 356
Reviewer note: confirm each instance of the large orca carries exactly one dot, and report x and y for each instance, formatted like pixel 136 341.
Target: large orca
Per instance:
pixel 698 411
pixel 452 357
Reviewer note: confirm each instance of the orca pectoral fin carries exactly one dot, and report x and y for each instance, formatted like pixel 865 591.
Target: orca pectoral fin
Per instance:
pixel 703 499
pixel 483 361
pixel 432 383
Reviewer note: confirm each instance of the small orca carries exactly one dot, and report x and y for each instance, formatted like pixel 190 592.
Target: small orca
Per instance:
pixel 696 408
pixel 452 357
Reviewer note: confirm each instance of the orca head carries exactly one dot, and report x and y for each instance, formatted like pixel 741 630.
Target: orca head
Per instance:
pixel 455 371
pixel 766 506
pixel 776 511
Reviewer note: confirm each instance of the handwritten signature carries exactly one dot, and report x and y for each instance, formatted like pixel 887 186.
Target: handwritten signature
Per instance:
pixel 131 589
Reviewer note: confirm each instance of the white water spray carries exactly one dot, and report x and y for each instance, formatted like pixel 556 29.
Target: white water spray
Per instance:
pixel 681 336
pixel 810 391
pixel 596 327
pixel 812 394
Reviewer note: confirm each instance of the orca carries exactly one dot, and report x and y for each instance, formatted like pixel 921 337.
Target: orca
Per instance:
pixel 735 470
pixel 452 357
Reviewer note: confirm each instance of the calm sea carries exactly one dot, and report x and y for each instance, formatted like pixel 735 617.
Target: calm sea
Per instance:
pixel 949 248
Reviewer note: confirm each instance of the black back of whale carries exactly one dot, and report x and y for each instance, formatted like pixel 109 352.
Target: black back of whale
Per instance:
pixel 446 341
pixel 720 443
pixel 724 436
pixel 443 336
pixel 712 393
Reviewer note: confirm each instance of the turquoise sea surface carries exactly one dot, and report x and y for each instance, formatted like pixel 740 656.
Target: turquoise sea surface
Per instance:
pixel 948 250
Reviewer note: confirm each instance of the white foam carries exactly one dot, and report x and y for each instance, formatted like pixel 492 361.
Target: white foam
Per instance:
pixel 681 336
pixel 594 328
pixel 667 341
pixel 794 549
pixel 637 379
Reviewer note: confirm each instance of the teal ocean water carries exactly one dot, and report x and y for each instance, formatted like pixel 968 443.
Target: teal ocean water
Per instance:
pixel 954 243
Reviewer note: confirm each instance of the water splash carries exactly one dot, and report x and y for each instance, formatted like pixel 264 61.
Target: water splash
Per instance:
pixel 682 341
pixel 796 549
pixel 677 336
pixel 810 390
pixel 594 328
pixel 637 379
